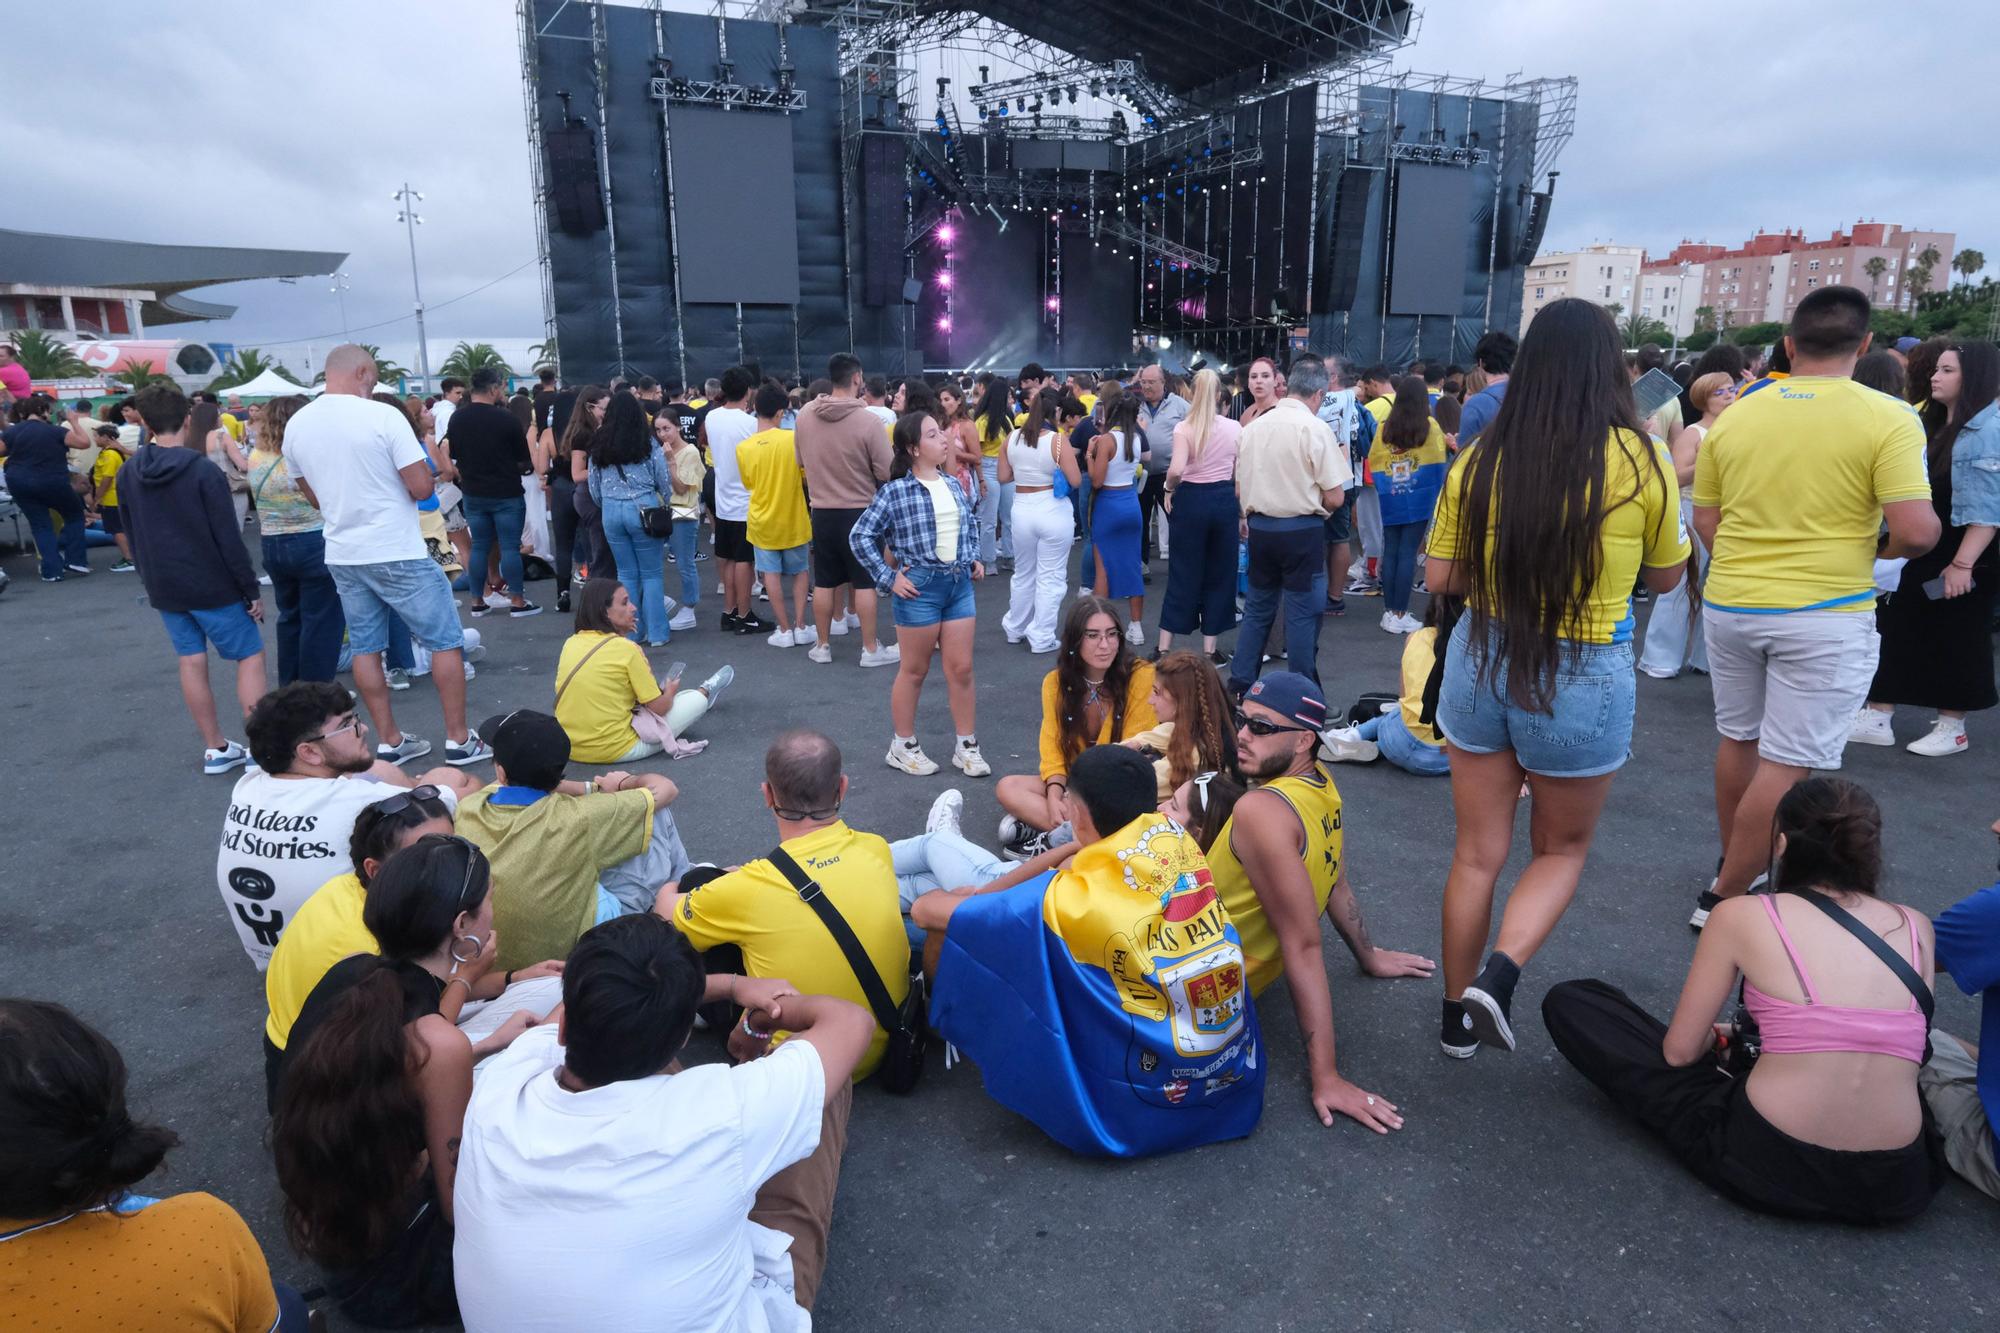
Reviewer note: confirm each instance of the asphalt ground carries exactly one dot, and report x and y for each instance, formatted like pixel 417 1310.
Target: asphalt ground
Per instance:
pixel 1512 1199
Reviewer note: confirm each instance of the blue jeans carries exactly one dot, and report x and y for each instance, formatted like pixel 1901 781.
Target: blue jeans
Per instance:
pixel 1399 563
pixel 496 521
pixel 639 558
pixel 996 506
pixel 1400 748
pixel 685 543
pixel 1585 732
pixel 634 883
pixel 43 498
pixel 1288 562
pixel 939 861
pixel 1201 560
pixel 310 621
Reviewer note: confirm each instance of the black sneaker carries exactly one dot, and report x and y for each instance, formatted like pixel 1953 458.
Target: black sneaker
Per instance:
pixel 1488 1003
pixel 748 625
pixel 1026 849
pixel 728 621
pixel 1703 905
pixel 562 602
pixel 524 610
pixel 478 609
pixel 1455 1032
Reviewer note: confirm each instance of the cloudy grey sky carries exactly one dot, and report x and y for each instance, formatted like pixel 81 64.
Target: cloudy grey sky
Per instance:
pixel 290 124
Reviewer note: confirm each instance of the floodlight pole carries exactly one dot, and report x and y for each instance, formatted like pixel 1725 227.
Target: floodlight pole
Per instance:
pixel 409 199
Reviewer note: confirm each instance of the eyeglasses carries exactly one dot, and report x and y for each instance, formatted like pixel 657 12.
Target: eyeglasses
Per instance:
pixel 1257 726
pixel 353 724
pixel 405 800
pixel 1101 636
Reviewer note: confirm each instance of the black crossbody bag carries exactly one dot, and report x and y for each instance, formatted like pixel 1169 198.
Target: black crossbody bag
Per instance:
pixel 908 1028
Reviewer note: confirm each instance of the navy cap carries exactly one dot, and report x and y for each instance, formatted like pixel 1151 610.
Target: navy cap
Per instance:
pixel 1291 695
pixel 1907 344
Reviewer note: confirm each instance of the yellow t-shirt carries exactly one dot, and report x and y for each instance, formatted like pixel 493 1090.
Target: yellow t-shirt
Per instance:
pixel 1642 526
pixel 595 708
pixel 771 473
pixel 1089 401
pixel 183 1265
pixel 546 858
pixel 1316 801
pixel 1800 470
pixel 1419 656
pixel 106 468
pixel 1139 716
pixel 991 444
pixel 234 426
pixel 326 928
pixel 756 908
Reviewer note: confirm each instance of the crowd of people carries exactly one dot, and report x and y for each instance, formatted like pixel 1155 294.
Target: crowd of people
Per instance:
pixel 479 991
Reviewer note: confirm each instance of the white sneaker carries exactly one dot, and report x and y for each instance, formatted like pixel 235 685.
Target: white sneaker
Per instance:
pixel 1410 623
pixel 719 591
pixel 853 620
pixel 231 755
pixel 1392 623
pixel 1947 737
pixel 762 595
pixel 965 755
pixel 910 758
pixel 820 652
pixel 1135 634
pixel 780 638
pixel 1345 745
pixel 838 627
pixel 946 813
pixel 877 657
pixel 683 619
pixel 499 601
pixel 1083 591
pixel 1871 726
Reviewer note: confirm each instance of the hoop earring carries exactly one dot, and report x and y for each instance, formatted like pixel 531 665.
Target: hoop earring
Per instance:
pixel 477 945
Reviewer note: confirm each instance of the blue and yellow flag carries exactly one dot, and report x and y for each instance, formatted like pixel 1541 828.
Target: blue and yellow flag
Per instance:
pixel 1107 1002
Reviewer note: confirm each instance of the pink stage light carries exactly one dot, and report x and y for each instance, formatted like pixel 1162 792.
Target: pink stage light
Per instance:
pixel 944 235
pixel 1055 303
pixel 944 280
pixel 944 325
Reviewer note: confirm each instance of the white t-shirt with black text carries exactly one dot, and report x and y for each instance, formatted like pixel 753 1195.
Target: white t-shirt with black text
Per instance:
pixel 727 428
pixel 349 450
pixel 627 1207
pixel 282 839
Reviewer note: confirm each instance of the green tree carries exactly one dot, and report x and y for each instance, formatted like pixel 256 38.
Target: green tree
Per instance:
pixel 1756 335
pixel 246 365
pixel 1704 319
pixel 1966 263
pixel 1918 281
pixel 468 357
pixel 45 356
pixel 139 374
pixel 1875 268
pixel 1637 329
pixel 544 356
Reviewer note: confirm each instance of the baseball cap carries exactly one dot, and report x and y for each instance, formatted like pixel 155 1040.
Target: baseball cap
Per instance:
pixel 1290 695
pixel 1905 344
pixel 531 746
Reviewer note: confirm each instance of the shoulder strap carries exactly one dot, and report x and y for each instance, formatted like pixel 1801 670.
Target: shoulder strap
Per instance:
pixel 579 666
pixel 1878 946
pixel 836 925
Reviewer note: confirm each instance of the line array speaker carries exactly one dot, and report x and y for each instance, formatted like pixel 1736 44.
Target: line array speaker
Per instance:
pixel 573 190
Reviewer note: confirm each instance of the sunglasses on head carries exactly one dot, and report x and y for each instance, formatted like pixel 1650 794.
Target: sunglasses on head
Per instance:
pixel 1258 726
pixel 472 857
pixel 407 800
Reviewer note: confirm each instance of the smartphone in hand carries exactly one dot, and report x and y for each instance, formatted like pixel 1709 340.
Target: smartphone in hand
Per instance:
pixel 674 672
pixel 1934 589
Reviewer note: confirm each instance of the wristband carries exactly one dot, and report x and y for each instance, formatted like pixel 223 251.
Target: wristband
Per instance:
pixel 505 981
pixel 751 1032
pixel 461 981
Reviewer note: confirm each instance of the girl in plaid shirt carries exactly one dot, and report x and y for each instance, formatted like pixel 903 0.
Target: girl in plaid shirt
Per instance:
pixel 925 521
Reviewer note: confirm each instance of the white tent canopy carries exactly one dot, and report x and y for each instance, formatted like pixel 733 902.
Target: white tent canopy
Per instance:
pixel 270 384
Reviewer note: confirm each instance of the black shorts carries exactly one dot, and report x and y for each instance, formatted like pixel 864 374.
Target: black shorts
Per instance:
pixel 109 515
pixel 834 561
pixel 732 540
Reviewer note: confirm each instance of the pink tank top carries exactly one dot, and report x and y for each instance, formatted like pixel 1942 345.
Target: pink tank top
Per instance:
pixel 1798 1029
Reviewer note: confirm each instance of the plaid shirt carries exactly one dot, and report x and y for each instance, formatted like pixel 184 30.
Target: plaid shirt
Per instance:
pixel 901 515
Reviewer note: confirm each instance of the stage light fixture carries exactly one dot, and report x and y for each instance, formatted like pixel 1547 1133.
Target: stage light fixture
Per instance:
pixel 1055 303
pixel 944 280
pixel 945 234
pixel 944 324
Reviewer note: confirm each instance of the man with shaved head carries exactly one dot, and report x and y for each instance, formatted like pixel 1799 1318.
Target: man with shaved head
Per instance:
pixel 756 911
pixel 361 463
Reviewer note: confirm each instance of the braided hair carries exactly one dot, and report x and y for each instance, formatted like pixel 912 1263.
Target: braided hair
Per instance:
pixel 1203 739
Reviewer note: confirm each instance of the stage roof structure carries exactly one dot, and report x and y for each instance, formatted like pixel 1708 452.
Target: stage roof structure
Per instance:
pixel 33 259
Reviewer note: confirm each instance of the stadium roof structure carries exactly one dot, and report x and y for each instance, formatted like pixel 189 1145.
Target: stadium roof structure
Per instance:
pixel 41 259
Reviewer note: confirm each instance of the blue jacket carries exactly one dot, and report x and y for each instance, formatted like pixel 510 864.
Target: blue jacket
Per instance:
pixel 636 482
pixel 1975 470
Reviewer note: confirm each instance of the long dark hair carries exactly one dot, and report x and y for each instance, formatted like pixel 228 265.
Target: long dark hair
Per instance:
pixel 1409 421
pixel 1833 838
pixel 1978 386
pixel 1042 410
pixel 904 437
pixel 1122 418
pixel 918 396
pixel 67 1141
pixel 1532 559
pixel 996 413
pixel 1204 736
pixel 624 437
pixel 593 606
pixel 348 1132
pixel 578 430
pixel 204 419
pixel 1211 803
pixel 1071 687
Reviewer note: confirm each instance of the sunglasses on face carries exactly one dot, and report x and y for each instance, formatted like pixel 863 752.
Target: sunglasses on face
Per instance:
pixel 1258 726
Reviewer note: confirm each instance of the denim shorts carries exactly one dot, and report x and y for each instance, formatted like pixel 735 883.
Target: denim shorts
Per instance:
pixel 944 592
pixel 416 590
pixel 791 560
pixel 230 628
pixel 1587 731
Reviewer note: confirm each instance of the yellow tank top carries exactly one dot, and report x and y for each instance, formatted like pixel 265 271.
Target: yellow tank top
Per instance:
pixel 1316 802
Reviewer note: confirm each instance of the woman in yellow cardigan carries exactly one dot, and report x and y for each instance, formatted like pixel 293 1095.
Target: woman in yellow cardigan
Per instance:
pixel 1099 692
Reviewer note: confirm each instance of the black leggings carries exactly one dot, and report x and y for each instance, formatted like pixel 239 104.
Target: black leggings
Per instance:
pixel 1152 493
pixel 562 529
pixel 1704 1117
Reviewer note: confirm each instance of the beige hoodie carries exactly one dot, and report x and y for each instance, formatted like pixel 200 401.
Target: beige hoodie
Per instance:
pixel 844 450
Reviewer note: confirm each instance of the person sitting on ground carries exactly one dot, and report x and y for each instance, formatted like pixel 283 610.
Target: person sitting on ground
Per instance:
pixel 78 1250
pixel 1099 692
pixel 290 817
pixel 755 910
pixel 1202 805
pixel 601 1185
pixel 1187 689
pixel 606 695
pixel 1277 865
pixel 571 854
pixel 1106 1002
pixel 1961 1081
pixel 1829 1125
pixel 1407 735
pixel 373 1087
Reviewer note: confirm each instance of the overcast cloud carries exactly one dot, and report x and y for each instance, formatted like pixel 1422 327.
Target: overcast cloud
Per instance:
pixel 287 124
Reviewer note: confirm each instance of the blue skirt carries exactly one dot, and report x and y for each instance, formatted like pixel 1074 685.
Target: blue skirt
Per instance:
pixel 1114 533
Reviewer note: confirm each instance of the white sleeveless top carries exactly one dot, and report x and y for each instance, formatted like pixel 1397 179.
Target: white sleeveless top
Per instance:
pixel 1034 465
pixel 1119 472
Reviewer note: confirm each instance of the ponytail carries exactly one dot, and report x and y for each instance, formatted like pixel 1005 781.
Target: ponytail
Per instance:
pixel 1833 838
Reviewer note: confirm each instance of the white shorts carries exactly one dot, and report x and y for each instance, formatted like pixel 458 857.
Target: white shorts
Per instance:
pixel 1791 681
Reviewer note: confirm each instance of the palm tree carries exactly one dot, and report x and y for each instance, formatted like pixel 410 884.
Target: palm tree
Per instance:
pixel 139 374
pixel 1875 268
pixel 468 357
pixel 246 365
pixel 45 356
pixel 1637 329
pixel 1918 280
pixel 1704 319
pixel 544 355
pixel 1966 263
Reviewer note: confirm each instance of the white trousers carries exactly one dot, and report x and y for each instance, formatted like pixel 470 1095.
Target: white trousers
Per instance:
pixel 1044 531
pixel 1673 637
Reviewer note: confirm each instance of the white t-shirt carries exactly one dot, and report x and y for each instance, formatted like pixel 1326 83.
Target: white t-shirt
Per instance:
pixel 441 412
pixel 349 450
pixel 886 415
pixel 727 428
pixel 281 840
pixel 628 1206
